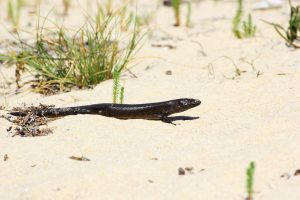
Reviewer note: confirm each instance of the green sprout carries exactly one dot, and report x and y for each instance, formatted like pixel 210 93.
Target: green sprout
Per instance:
pixel 176 8
pixel 248 29
pixel 188 15
pixel 122 95
pixel 118 91
pixel 250 180
pixel 116 85
pixel 237 20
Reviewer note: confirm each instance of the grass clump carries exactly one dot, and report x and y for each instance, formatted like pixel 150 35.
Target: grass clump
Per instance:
pixel 61 59
pixel 294 24
pixel 248 29
pixel 290 35
pixel 14 13
pixel 250 180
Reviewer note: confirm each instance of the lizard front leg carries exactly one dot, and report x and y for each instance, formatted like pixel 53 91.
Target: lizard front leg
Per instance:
pixel 166 119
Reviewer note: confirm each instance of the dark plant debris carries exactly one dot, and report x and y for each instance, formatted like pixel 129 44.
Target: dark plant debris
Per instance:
pixel 82 158
pixel 281 74
pixel 181 171
pixel 189 170
pixel 297 172
pixel 150 181
pixel 169 72
pixel 285 176
pixel 5 158
pixel 185 170
pixel 170 46
pixel 30 124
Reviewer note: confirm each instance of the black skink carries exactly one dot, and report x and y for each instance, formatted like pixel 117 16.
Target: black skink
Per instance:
pixel 152 111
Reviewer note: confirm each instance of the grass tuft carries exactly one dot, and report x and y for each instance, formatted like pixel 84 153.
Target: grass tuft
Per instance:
pixel 290 35
pixel 61 59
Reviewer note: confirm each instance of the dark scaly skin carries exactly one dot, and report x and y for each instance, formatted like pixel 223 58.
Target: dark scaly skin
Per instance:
pixel 152 111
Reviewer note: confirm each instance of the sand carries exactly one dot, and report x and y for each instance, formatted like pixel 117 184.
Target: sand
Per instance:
pixel 251 117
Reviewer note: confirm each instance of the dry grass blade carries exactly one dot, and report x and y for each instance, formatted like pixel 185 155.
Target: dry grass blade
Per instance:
pixel 81 158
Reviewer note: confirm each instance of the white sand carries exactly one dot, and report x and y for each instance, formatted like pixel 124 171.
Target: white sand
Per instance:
pixel 246 119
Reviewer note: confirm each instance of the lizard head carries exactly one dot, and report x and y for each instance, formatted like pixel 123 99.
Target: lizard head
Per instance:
pixel 186 103
pixel 180 105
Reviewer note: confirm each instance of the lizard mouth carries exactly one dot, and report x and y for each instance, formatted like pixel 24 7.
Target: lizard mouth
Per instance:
pixel 196 102
pixel 193 103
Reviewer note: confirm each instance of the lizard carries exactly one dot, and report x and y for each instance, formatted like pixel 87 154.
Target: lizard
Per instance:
pixel 150 111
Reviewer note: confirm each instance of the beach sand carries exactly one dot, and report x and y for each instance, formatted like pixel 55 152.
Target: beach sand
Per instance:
pixel 253 116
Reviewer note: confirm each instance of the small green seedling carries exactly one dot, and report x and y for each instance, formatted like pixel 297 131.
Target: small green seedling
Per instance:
pixel 294 24
pixel 118 91
pixel 14 12
pixel 237 20
pixel 188 14
pixel 248 29
pixel 122 95
pixel 116 85
pixel 176 8
pixel 250 181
